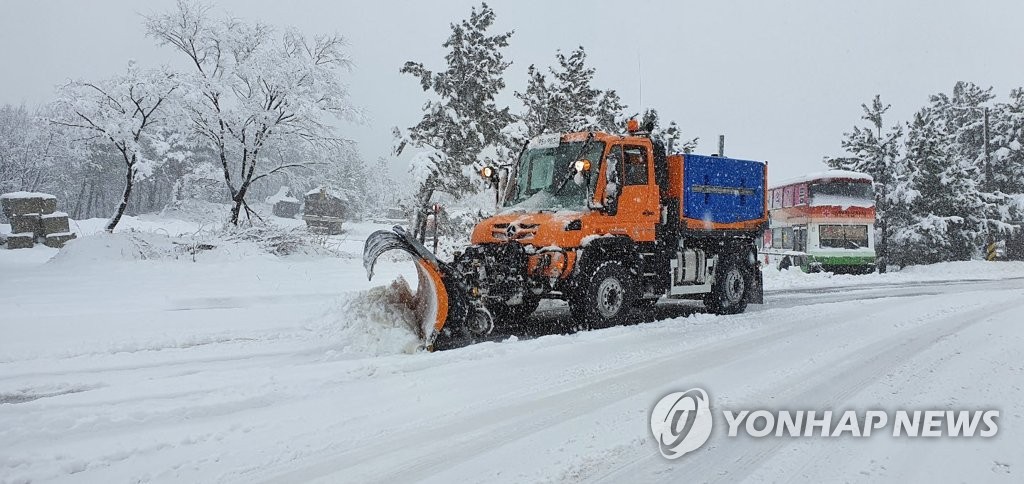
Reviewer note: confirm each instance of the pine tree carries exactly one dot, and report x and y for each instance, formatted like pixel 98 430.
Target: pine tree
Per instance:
pixel 671 135
pixel 933 219
pixel 875 153
pixel 569 102
pixel 960 116
pixel 539 111
pixel 1008 157
pixel 464 120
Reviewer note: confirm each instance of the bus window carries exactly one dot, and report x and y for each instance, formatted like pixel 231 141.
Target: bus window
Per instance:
pixel 843 236
pixel 842 193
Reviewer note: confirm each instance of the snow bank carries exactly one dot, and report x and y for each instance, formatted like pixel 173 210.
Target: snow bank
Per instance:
pixel 974 269
pixel 120 246
pixel 373 322
pixel 794 278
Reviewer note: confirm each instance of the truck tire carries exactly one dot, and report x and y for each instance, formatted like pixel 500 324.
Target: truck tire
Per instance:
pixel 604 297
pixel 506 315
pixel 729 294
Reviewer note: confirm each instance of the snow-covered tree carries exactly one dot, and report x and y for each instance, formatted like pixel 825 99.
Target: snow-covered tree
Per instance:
pixel 1008 144
pixel 35 155
pixel 540 112
pixel 874 150
pixel 671 135
pixel 462 120
pixel 252 88
pixel 568 102
pixel 933 198
pixel 127 112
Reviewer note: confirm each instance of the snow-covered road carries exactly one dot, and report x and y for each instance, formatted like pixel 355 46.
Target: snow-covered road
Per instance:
pixel 242 372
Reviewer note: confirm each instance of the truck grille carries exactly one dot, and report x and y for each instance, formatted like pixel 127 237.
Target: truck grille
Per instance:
pixel 514 231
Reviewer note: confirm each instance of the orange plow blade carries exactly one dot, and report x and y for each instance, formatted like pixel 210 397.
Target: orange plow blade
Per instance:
pixel 440 304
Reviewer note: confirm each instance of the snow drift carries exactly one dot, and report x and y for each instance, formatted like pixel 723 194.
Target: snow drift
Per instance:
pixel 374 322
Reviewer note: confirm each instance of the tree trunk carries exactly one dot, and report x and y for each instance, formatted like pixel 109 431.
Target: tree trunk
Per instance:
pixel 883 247
pixel 235 210
pixel 239 200
pixel 129 176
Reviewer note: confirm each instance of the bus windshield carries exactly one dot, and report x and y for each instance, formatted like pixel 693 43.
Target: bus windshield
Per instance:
pixel 843 193
pixel 542 170
pixel 843 236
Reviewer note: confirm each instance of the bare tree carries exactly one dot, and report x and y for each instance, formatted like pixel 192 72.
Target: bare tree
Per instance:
pixel 124 111
pixel 251 89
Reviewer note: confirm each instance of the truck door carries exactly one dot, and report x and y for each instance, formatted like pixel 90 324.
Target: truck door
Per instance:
pixel 638 206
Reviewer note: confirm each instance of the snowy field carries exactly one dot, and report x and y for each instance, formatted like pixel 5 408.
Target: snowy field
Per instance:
pixel 239 366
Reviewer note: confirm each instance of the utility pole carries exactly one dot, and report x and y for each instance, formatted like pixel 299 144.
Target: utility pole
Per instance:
pixel 721 145
pixel 988 165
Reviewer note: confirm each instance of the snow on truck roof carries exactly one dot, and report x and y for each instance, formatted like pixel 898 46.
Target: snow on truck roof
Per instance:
pixel 825 175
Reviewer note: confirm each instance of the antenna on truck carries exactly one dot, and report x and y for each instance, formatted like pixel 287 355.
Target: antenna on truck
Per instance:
pixel 640 80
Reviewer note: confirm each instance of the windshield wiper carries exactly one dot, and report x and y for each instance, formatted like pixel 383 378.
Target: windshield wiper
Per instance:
pixel 572 161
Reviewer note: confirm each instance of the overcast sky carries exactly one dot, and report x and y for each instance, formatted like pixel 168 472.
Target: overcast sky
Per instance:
pixel 782 79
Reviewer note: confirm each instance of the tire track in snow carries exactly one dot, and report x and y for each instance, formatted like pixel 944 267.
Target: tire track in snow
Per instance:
pixel 474 434
pixel 737 458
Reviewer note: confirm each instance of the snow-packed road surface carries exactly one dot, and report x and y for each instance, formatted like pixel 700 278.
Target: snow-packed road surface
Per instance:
pixel 287 370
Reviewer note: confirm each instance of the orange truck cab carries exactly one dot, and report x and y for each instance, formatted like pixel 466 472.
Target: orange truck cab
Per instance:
pixel 611 223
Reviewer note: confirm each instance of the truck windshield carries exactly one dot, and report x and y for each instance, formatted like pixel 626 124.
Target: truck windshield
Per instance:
pixel 542 170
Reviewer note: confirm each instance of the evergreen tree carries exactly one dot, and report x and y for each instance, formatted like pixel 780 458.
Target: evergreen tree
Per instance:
pixel 961 117
pixel 875 153
pixel 568 102
pixel 1008 144
pixel 464 120
pixel 671 135
pixel 539 111
pixel 932 207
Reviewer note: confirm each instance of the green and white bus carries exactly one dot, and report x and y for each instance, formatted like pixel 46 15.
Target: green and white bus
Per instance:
pixel 822 222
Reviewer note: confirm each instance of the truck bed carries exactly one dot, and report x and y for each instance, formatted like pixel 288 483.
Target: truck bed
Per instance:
pixel 719 193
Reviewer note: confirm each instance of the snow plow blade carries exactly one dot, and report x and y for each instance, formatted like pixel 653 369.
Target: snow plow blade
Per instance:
pixel 440 303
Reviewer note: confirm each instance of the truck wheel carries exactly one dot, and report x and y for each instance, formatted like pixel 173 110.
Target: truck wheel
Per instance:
pixel 605 296
pixel 506 315
pixel 729 294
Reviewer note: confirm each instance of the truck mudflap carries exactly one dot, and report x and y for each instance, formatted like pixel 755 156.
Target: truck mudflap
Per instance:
pixel 441 305
pixel 756 293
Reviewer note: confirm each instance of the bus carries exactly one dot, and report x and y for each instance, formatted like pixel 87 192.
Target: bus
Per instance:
pixel 822 222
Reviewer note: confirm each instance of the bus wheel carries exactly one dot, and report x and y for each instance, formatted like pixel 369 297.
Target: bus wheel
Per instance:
pixel 786 263
pixel 729 294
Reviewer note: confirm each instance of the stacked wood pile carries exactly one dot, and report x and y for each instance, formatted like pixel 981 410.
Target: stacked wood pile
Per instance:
pixel 34 218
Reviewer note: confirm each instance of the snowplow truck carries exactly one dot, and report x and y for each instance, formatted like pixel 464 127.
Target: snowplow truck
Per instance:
pixel 610 223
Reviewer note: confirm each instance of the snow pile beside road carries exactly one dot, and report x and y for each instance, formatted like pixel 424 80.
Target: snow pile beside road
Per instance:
pixel 373 322
pixel 122 246
pixel 960 270
pixel 976 270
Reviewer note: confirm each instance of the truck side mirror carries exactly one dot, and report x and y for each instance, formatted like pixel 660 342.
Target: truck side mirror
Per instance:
pixel 612 185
